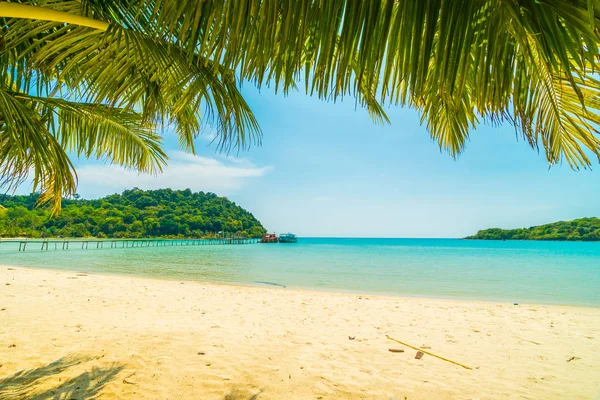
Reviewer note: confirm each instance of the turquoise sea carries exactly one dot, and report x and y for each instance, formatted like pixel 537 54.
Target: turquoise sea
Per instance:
pixel 511 271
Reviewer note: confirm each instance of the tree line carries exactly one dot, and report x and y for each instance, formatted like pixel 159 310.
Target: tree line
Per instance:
pixel 583 229
pixel 134 213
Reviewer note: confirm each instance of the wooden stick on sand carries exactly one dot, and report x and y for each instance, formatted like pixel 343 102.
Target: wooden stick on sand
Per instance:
pixel 427 352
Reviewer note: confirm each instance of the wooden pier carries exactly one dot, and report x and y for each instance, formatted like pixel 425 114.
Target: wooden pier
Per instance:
pixel 84 244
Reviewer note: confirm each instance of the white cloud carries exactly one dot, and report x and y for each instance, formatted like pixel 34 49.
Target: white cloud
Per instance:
pixel 209 136
pixel 223 175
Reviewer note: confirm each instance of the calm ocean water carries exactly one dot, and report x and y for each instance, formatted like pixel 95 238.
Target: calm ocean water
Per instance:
pixel 512 271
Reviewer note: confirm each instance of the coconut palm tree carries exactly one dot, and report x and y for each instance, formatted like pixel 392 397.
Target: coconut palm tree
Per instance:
pixel 530 63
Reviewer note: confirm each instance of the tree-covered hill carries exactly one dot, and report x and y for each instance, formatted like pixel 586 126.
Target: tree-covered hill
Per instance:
pixel 135 213
pixel 583 229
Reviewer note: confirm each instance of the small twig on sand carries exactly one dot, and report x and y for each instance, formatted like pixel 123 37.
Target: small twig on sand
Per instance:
pixel 531 341
pixel 428 352
pixel 129 376
pixel 396 350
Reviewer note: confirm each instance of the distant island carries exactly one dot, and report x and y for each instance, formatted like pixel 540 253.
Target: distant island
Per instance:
pixel 583 229
pixel 133 214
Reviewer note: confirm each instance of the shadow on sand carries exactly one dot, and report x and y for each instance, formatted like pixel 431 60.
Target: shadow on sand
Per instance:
pixel 39 383
pixel 46 382
pixel 239 394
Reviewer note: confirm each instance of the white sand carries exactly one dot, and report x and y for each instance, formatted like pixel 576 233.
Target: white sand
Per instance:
pixel 134 338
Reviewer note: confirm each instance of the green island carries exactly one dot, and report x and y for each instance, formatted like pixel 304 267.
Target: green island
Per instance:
pixel 582 229
pixel 135 213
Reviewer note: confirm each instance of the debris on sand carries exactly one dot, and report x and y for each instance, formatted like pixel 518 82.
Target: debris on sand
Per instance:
pixel 396 350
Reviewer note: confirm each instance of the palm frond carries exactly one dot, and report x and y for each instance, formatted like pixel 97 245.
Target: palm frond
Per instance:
pixel 531 62
pixel 28 147
pixel 89 130
pixel 457 62
pixel 132 70
pixel 38 133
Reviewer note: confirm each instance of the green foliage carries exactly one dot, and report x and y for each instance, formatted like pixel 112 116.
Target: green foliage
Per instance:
pixel 135 213
pixel 584 229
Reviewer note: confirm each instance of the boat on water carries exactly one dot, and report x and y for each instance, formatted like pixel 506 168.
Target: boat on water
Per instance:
pixel 283 238
pixel 288 238
pixel 269 238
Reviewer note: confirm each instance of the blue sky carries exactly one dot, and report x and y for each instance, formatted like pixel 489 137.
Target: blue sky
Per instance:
pixel 325 169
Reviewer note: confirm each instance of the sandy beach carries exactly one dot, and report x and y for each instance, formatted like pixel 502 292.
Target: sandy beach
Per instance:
pixel 75 335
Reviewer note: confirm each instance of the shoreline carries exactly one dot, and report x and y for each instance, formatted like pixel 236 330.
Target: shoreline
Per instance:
pixel 84 334
pixel 308 289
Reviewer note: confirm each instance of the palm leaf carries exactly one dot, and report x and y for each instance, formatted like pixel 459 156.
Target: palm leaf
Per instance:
pixel 459 63
pixel 27 146
pixel 38 132
pixel 129 69
pixel 531 63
